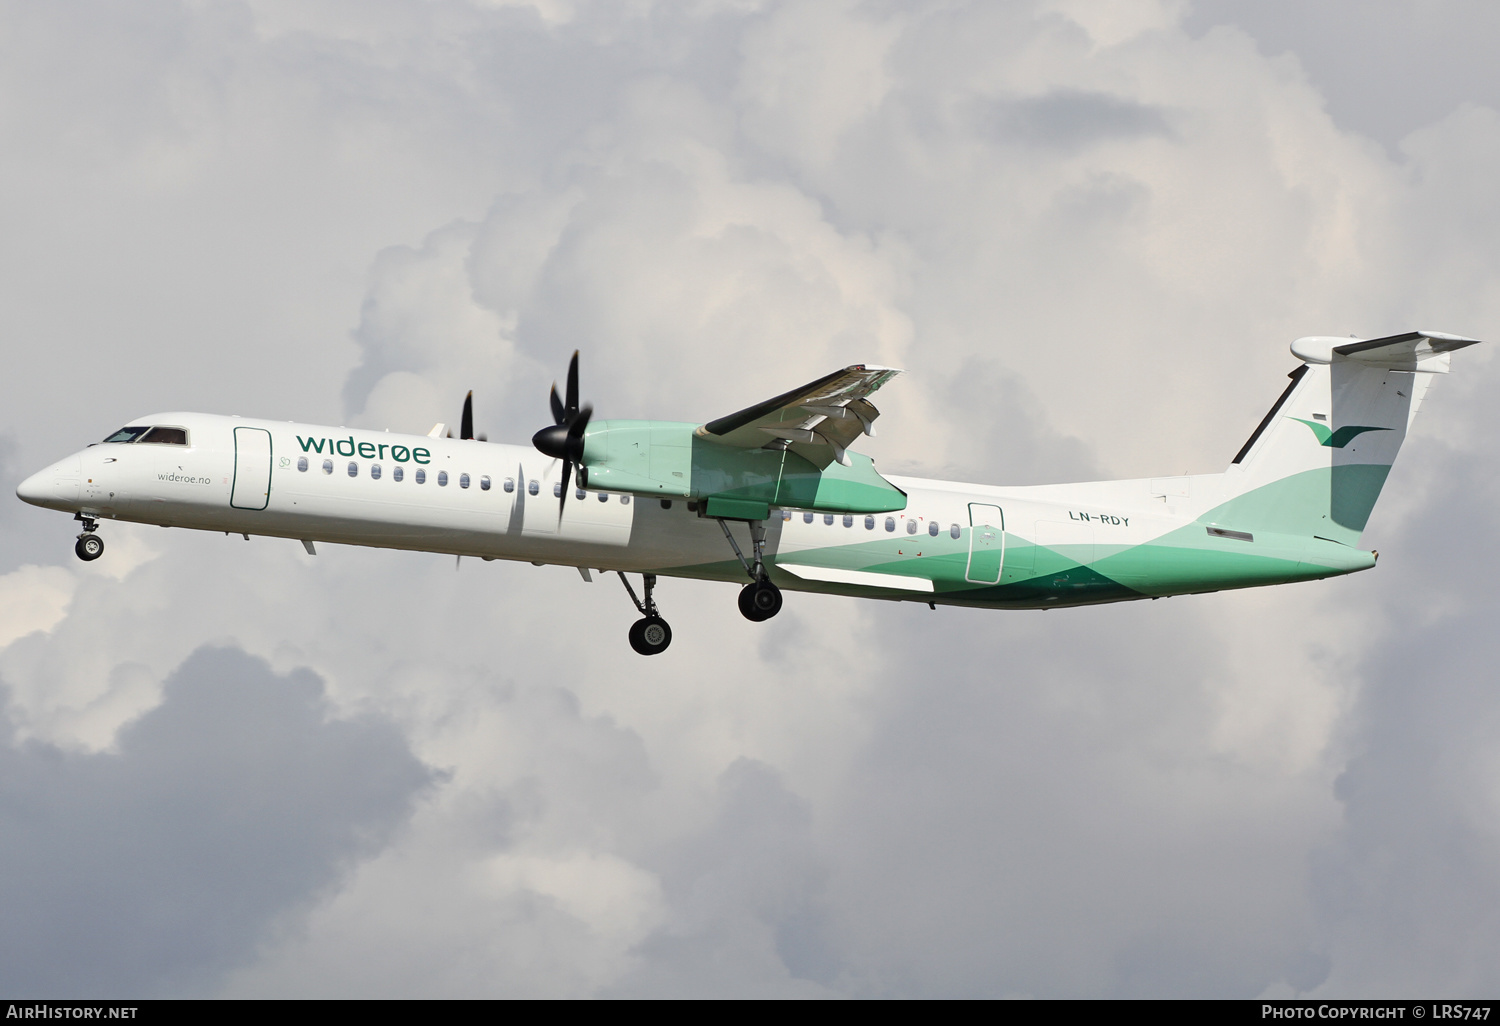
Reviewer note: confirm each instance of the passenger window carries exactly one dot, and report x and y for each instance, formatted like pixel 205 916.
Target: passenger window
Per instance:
pixel 442 479
pixel 533 488
pixel 869 523
pixel 463 480
pixel 484 483
pixel 666 504
pixel 932 529
pixel 827 519
pixel 890 523
pixel 375 471
pixel 421 477
pixel 911 527
pixel 692 507
pixel 786 514
pixel 848 520
pixel 580 494
pixel 955 531
pixel 128 434
pixel 557 491
pixel 603 496
pixel 509 485
pixel 302 464
pixel 328 466
pixel 353 469
pixel 624 500
pixel 166 436
pixel 807 518
pixel 397 473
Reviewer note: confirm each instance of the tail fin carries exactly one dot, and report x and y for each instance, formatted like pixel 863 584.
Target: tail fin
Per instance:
pixel 1316 464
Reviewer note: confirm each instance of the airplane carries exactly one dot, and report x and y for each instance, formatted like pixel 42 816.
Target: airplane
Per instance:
pixel 775 496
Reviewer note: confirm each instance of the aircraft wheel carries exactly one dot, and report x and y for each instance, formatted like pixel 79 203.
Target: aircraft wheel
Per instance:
pixel 89 547
pixel 650 635
pixel 760 601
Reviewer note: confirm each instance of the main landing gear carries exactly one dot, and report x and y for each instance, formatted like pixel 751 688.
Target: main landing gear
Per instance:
pixel 760 599
pixel 89 546
pixel 650 634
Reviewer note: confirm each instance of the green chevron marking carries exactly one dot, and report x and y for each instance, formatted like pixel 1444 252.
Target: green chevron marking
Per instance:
pixel 1336 439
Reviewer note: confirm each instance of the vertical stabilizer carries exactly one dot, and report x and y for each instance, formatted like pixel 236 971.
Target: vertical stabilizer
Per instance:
pixel 1316 464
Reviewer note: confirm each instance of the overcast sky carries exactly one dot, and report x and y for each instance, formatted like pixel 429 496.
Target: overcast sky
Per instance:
pixel 1088 229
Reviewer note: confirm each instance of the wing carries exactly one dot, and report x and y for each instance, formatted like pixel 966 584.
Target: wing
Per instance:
pixel 817 421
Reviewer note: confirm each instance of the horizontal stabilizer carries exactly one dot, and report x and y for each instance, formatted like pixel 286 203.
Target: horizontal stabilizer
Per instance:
pixel 1413 351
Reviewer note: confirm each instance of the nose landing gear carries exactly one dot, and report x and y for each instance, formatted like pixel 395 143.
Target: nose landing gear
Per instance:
pixel 89 546
pixel 650 634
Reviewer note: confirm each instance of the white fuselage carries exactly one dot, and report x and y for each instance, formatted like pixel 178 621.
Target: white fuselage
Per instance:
pixel 496 501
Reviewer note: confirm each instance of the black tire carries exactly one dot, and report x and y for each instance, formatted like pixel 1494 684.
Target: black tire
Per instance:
pixel 89 547
pixel 650 636
pixel 760 601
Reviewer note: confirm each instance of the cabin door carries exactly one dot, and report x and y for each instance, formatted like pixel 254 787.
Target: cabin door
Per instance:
pixel 986 543
pixel 252 469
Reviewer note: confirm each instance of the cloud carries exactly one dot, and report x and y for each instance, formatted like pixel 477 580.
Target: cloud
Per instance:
pixel 743 893
pixel 1070 119
pixel 150 869
pixel 33 598
pixel 654 257
pixel 520 877
pixel 1340 46
pixel 1085 231
pixel 1406 888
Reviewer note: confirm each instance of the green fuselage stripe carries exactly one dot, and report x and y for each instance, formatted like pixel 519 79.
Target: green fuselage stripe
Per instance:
pixel 1300 528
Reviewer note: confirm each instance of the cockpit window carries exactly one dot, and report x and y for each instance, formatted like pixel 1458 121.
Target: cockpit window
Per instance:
pixel 128 434
pixel 165 436
pixel 148 434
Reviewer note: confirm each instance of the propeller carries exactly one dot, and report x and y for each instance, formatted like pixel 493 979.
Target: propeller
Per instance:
pixel 466 422
pixel 564 439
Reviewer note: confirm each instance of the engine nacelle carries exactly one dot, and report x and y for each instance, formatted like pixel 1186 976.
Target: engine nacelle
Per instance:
pixel 668 460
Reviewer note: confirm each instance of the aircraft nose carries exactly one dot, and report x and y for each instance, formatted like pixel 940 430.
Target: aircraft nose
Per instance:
pixel 55 487
pixel 35 489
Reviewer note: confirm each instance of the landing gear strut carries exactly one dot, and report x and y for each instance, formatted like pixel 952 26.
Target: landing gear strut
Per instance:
pixel 89 546
pixel 650 634
pixel 760 599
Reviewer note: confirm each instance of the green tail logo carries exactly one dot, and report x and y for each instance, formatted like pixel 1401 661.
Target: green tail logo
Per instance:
pixel 1336 439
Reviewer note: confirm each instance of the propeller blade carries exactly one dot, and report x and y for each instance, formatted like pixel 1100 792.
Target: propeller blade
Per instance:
pixel 573 384
pixel 466 424
pixel 563 497
pixel 563 439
